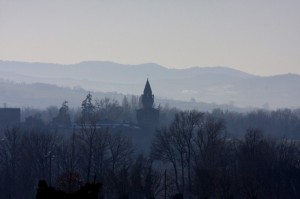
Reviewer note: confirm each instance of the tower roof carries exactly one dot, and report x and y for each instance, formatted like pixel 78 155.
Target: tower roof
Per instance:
pixel 147 89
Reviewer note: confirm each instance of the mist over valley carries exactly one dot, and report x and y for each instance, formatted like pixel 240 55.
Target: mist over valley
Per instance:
pixel 42 84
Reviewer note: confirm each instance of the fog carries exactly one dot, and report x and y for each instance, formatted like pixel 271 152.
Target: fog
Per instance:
pixel 218 85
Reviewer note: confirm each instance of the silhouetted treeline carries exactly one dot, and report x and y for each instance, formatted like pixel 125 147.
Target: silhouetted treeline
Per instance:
pixel 281 123
pixel 193 154
pixel 203 162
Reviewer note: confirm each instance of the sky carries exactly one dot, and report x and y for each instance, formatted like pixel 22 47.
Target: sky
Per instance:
pixel 257 36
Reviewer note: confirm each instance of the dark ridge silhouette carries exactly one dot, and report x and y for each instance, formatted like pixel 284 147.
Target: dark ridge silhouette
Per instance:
pixel 88 191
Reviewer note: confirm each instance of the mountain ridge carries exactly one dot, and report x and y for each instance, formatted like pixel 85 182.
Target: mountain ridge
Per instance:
pixel 220 85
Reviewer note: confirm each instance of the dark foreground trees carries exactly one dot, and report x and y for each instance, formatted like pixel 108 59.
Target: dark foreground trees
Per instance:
pixel 192 156
pixel 205 163
pixel 191 145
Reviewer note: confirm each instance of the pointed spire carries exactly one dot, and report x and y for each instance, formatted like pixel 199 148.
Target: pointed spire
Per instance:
pixel 147 89
pixel 147 97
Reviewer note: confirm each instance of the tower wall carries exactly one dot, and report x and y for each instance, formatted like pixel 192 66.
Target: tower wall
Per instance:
pixel 148 118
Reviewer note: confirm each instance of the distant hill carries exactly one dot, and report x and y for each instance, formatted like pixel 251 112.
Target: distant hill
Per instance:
pixel 40 95
pixel 212 85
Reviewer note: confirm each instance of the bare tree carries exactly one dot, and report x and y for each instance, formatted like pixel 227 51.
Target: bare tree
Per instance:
pixel 145 178
pixel 164 150
pixel 108 109
pixel 63 117
pixel 256 157
pixel 183 129
pixel 10 156
pixel 69 162
pixel 120 160
pixel 208 146
pixel 175 145
pixel 126 110
pixel 100 153
pixel 87 132
pixel 40 148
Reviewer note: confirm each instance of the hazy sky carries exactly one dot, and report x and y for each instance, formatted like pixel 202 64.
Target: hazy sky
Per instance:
pixel 256 36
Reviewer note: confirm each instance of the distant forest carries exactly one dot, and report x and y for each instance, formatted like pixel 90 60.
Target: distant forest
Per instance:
pixel 281 123
pixel 218 154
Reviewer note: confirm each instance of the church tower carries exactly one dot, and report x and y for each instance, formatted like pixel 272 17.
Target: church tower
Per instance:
pixel 147 116
pixel 147 97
